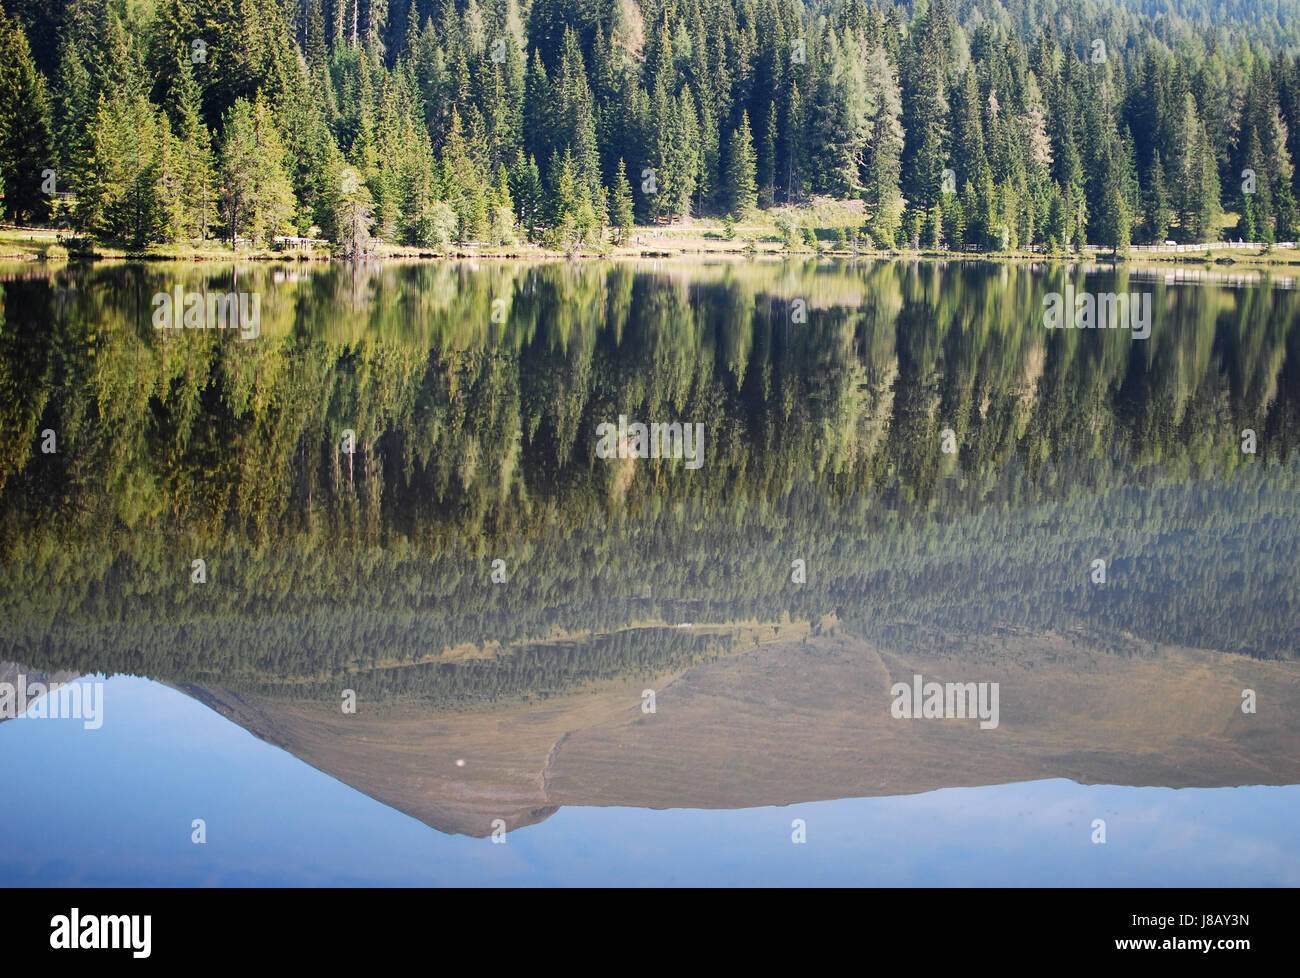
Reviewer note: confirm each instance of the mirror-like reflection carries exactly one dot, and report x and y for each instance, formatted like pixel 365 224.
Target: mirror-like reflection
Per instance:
pixel 395 489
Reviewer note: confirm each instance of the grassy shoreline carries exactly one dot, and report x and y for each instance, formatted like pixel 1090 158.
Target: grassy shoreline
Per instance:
pixel 701 240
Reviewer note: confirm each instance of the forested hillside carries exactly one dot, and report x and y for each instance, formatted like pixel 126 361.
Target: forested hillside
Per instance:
pixel 1003 125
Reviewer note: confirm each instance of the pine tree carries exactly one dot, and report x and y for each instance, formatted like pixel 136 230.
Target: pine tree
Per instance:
pixel 678 157
pixel 766 175
pixel 195 208
pixel 502 222
pixel 883 198
pixel 462 182
pixel 1256 200
pixel 564 207
pixel 574 115
pixel 170 52
pixel 794 145
pixel 526 190
pixel 256 199
pixel 741 180
pixel 1247 229
pixel 841 118
pixel 1157 211
pixel 967 158
pixel 1207 218
pixel 124 197
pixel 1116 221
pixel 25 152
pixel 540 132
pixel 1058 220
pixel 1288 214
pixel 354 210
pixel 74 108
pixel 925 110
pixel 314 34
pixel 620 216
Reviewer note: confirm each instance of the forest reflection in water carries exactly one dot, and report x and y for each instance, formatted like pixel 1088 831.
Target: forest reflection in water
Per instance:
pixel 473 549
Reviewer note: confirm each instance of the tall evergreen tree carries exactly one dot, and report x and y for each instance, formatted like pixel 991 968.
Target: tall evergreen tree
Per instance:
pixel 925 109
pixel 883 196
pixel 25 151
pixel 125 197
pixel 620 208
pixel 741 181
pixel 766 170
pixel 256 199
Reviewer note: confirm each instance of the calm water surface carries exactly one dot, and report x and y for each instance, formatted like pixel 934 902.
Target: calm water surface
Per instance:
pixel 390 493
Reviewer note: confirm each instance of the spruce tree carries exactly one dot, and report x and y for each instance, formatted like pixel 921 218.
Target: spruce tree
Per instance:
pixel 196 207
pixel 620 208
pixel 125 197
pixel 741 180
pixel 25 151
pixel 766 175
pixel 925 110
pixel 526 190
pixel 256 199
pixel 1207 218
pixel 1157 210
pixel 883 197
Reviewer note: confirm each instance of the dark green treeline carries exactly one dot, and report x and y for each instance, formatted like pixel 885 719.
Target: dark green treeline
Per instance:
pixel 986 123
